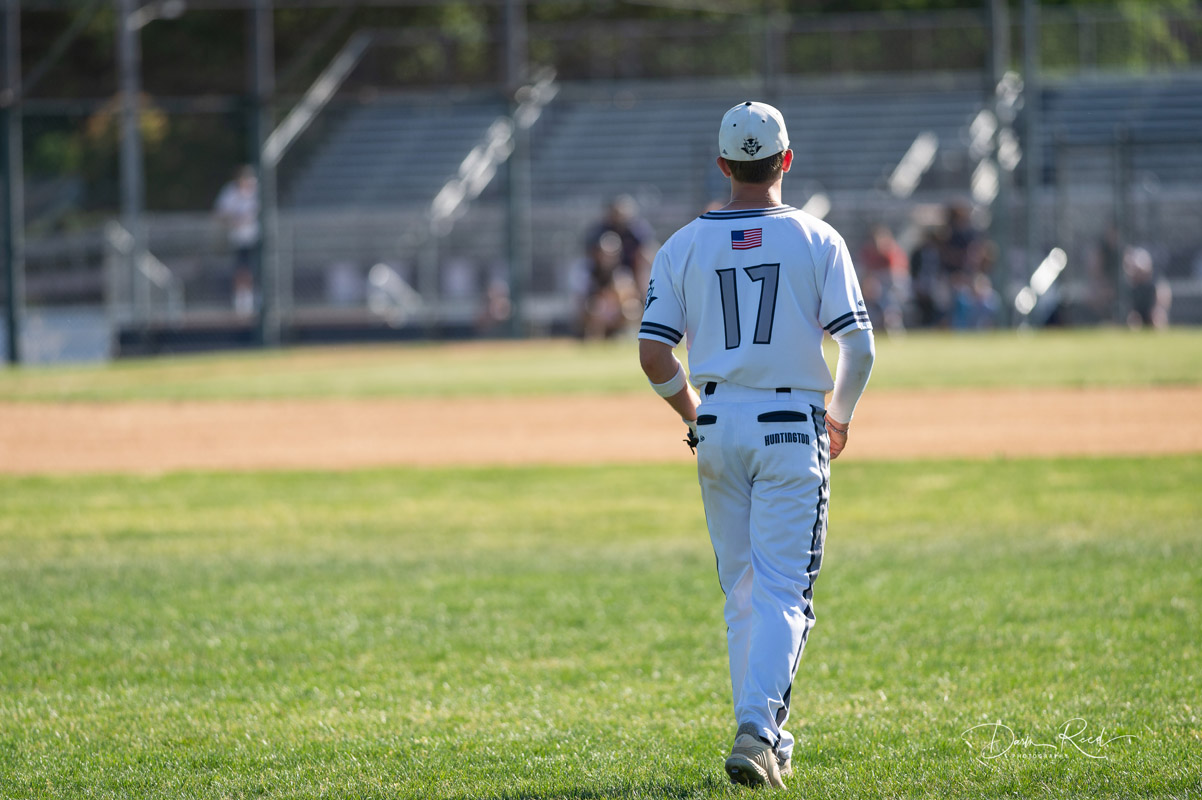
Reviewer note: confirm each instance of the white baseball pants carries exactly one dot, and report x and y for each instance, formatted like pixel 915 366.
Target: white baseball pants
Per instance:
pixel 764 467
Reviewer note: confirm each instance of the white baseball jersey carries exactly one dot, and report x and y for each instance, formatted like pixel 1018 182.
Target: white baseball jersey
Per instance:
pixel 240 205
pixel 753 291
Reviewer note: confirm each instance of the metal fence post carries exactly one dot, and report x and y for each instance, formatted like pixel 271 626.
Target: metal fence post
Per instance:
pixel 518 201
pixel 1060 189
pixel 1121 171
pixel 133 188
pixel 1032 144
pixel 262 79
pixel 13 185
pixel 1000 221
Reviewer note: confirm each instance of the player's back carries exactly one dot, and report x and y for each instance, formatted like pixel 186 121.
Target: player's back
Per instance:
pixel 753 291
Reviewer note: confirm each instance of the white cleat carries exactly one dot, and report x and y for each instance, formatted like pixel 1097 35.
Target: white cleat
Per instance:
pixel 752 762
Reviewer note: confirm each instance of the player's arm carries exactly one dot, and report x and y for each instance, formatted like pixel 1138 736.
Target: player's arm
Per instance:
pixel 661 331
pixel 667 377
pixel 842 305
pixel 857 352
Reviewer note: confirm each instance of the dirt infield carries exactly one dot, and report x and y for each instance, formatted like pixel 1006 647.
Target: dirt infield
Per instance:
pixel 41 438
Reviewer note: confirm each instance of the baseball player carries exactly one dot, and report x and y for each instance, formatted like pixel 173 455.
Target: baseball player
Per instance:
pixel 752 288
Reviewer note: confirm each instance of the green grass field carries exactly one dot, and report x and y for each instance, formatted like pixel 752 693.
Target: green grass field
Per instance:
pixel 556 632
pixel 1060 358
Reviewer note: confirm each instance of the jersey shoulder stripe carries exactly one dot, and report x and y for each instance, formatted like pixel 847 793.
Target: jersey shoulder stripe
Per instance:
pixel 748 213
pixel 857 318
pixel 655 329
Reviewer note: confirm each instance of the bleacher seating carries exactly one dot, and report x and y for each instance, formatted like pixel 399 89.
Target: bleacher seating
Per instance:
pixel 394 151
pixel 599 143
pixel 842 140
pixel 1159 118
pixel 853 141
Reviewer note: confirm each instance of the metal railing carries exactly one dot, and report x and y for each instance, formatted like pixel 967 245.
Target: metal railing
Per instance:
pixel 152 274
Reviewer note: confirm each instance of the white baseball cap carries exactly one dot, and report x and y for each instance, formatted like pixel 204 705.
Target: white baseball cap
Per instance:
pixel 751 131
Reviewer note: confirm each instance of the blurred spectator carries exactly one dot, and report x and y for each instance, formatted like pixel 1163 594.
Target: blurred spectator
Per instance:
pixel 617 263
pixel 950 274
pixel 1150 296
pixel 637 239
pixel 961 243
pixel 237 209
pixel 611 299
pixel 459 281
pixel 931 294
pixel 1106 268
pixel 345 284
pixel 975 304
pixel 884 279
pixel 497 306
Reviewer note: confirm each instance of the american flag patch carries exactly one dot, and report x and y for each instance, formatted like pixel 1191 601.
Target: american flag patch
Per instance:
pixel 745 240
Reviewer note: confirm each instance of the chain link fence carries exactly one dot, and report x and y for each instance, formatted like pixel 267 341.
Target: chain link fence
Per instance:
pixel 355 252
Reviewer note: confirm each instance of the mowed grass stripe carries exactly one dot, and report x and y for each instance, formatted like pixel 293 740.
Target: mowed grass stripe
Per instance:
pixel 557 633
pixel 1098 357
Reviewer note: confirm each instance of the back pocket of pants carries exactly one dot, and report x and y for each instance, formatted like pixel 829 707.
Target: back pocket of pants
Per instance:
pixel 779 416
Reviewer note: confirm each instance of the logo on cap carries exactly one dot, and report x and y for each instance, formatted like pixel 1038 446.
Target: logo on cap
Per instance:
pixel 751 146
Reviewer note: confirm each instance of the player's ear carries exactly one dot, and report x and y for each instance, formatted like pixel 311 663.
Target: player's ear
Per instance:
pixel 722 165
pixel 788 162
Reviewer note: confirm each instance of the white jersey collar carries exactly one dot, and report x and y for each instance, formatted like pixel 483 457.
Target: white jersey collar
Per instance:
pixel 743 213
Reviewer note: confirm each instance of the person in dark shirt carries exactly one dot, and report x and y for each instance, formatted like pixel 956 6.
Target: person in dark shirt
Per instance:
pixel 618 252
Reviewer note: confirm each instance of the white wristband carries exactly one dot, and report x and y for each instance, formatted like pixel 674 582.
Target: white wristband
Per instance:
pixel 673 385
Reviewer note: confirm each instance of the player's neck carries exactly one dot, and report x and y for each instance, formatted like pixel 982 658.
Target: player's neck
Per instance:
pixel 753 195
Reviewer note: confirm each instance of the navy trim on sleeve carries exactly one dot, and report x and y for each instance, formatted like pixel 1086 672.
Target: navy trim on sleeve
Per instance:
pixel 655 329
pixel 857 318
